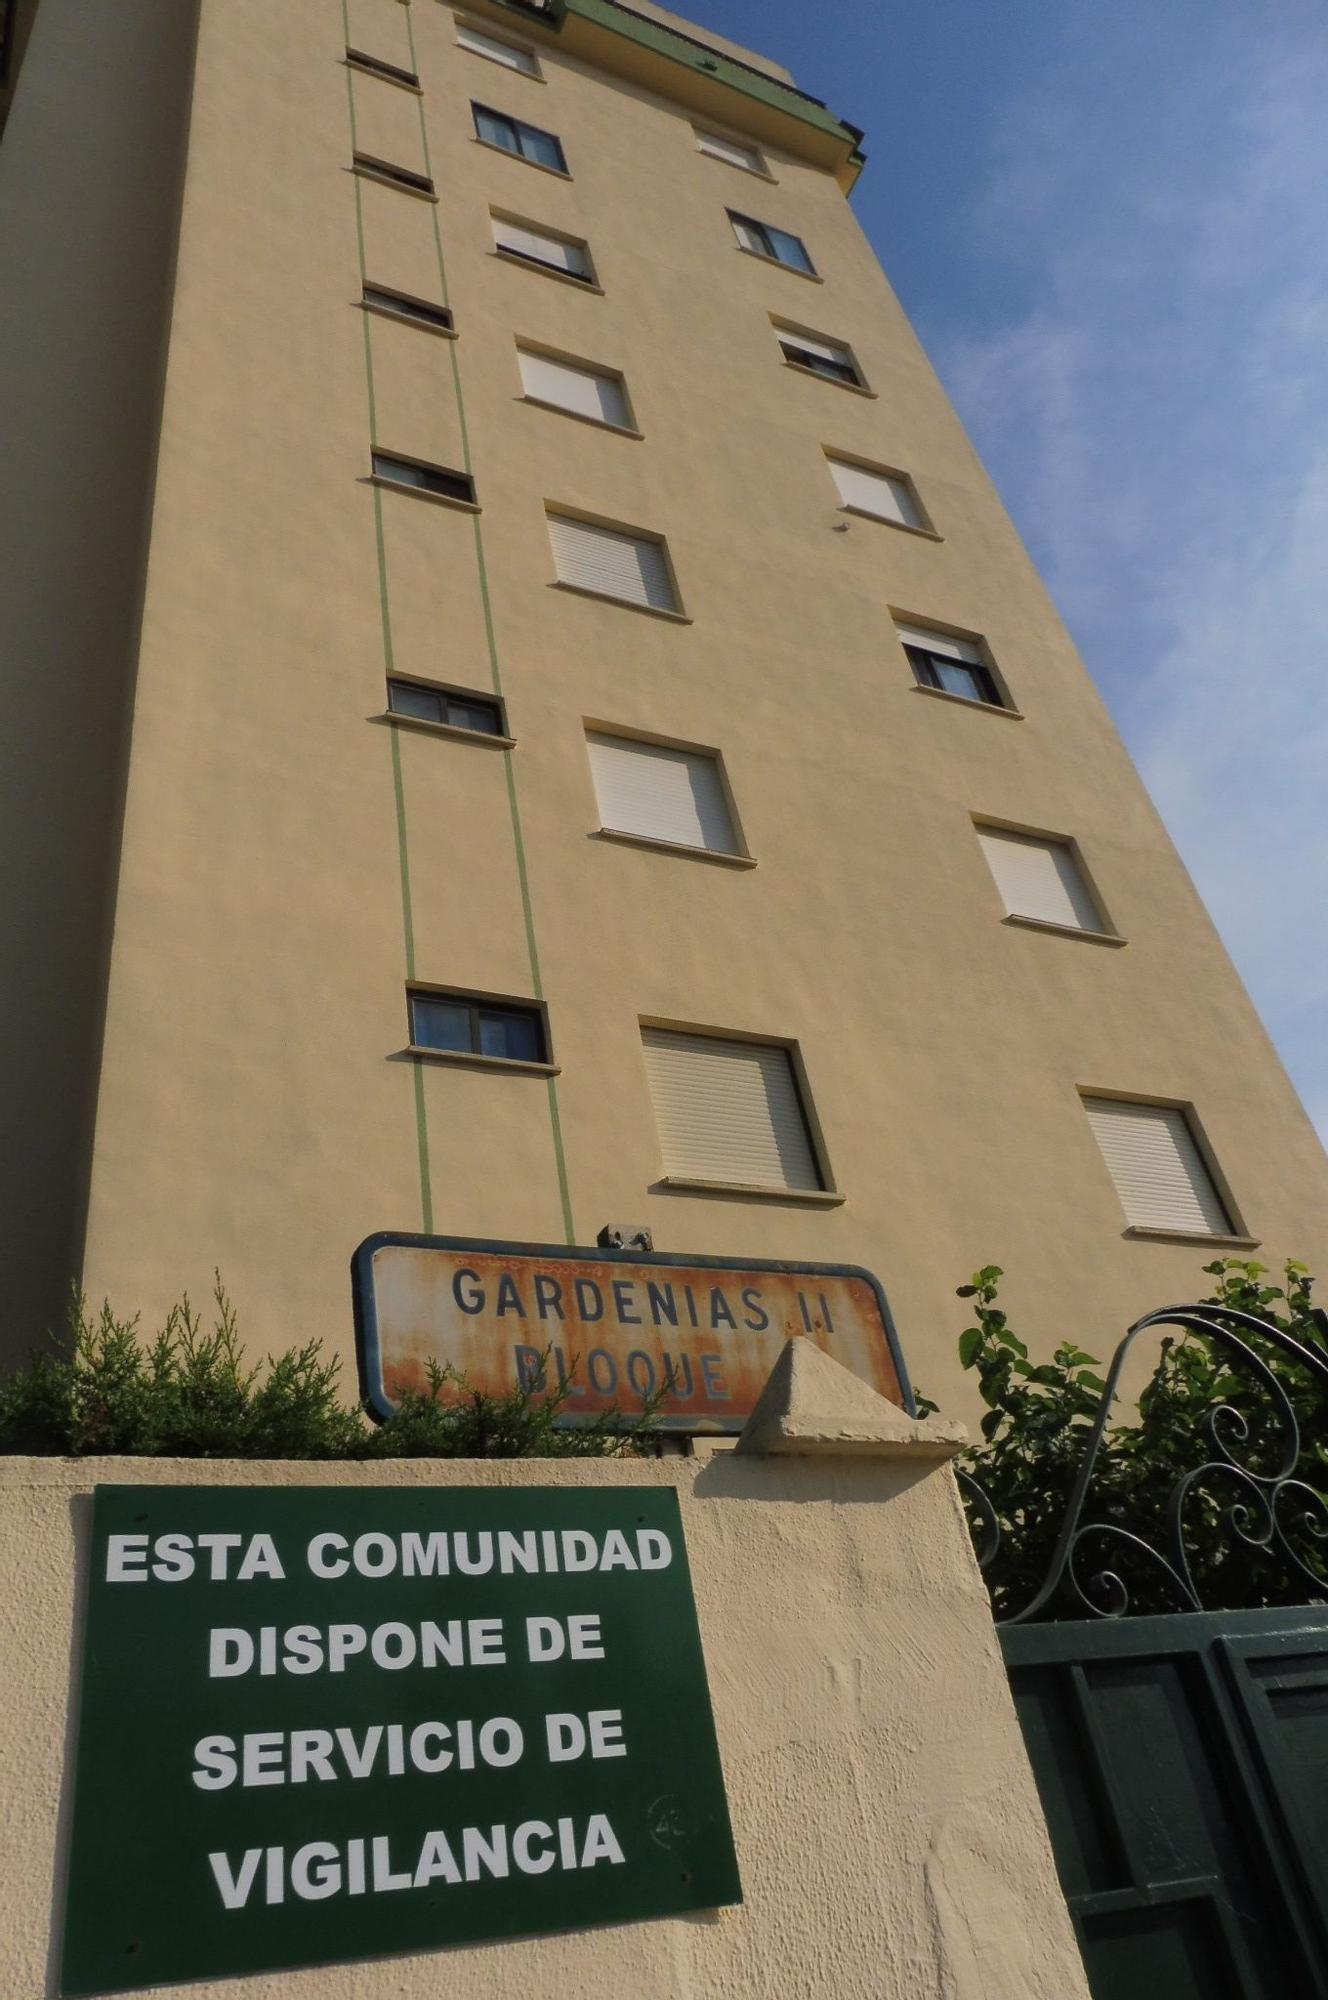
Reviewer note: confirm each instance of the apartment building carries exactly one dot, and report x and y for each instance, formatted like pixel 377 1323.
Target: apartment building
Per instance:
pixel 528 715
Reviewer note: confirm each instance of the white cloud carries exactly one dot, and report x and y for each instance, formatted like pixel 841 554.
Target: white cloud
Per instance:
pixel 1156 415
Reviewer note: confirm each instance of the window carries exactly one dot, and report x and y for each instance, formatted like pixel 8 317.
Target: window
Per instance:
pixel 377 67
pixel 822 357
pixel 955 666
pixel 886 496
pixel 563 254
pixel 510 135
pixel 569 385
pixel 765 241
pixel 467 1024
pixel 383 170
pixel 659 792
pixel 422 478
pixel 736 154
pixel 612 562
pixel 509 54
pixel 729 1112
pixel 1040 879
pixel 1153 1157
pixel 452 707
pixel 401 306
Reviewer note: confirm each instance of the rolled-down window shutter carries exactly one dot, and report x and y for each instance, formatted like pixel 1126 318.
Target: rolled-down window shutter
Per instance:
pixel 611 563
pixel 875 493
pixel 944 643
pixel 728 1111
pixel 665 794
pixel 1159 1172
pixel 499 52
pixel 583 390
pixel 547 249
pixel 730 150
pixel 1039 878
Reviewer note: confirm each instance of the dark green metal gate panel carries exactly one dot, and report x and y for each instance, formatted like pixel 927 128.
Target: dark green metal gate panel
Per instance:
pixel 1183 1768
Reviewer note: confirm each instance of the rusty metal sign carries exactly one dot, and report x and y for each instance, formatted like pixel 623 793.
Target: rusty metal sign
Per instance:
pixel 614 1326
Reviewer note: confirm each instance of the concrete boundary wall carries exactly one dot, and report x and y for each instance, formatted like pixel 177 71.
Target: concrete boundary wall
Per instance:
pixel 888 1831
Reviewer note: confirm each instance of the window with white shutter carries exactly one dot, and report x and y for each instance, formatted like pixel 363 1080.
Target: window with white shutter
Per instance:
pixel 818 355
pixel 507 53
pixel 882 494
pixel 534 246
pixel 944 661
pixel 660 793
pixel 1039 878
pixel 612 562
pixel 569 385
pixel 1154 1159
pixel 729 1112
pixel 732 151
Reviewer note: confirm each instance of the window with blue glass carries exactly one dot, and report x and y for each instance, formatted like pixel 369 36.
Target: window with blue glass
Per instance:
pixel 511 135
pixel 467 1024
pixel 764 240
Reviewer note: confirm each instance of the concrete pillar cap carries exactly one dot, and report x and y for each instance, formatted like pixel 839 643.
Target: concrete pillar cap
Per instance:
pixel 812 1404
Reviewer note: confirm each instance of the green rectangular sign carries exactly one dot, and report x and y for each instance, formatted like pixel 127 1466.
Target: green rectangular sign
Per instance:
pixel 328 1723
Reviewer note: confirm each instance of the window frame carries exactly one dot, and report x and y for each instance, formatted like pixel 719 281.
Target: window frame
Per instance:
pixel 1236 1233
pixel 377 477
pixel 826 1195
pixel 761 170
pixel 389 303
pixel 499 739
pixel 578 362
pixel 587 281
pixel 922 526
pixel 766 231
pixel 478 1002
pixel 1105 932
pixel 738 856
pixel 503 41
pixel 786 334
pixel 983 669
pixel 518 126
pixel 388 174
pixel 386 72
pixel 557 510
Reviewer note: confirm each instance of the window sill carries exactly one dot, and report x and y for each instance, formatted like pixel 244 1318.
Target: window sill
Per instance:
pixel 462 1059
pixel 548 271
pixel 400 187
pixel 422 493
pixel 559 173
pixel 579 417
pixel 812 1197
pixel 1064 930
pixel 1222 1242
pixel 409 319
pixel 967 701
pixel 674 847
pixel 459 735
pixel 904 527
pixel 814 277
pixel 853 388
pixel 627 603
pixel 381 76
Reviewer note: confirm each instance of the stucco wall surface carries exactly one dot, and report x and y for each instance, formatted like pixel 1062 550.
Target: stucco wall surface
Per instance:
pixel 887 1827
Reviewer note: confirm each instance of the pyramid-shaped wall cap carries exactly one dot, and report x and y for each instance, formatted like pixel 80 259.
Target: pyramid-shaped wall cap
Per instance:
pixel 812 1404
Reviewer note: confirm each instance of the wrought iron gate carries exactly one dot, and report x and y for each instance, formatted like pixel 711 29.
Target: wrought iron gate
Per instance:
pixel 1182 1758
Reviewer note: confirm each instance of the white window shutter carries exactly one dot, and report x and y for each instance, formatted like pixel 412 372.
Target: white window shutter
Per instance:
pixel 875 493
pixel 548 249
pixel 944 643
pixel 728 1111
pixel 665 794
pixel 730 150
pixel 499 52
pixel 825 350
pixel 1039 878
pixel 611 563
pixel 749 237
pixel 1157 1167
pixel 585 391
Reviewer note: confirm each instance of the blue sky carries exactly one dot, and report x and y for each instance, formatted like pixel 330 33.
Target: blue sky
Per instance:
pixel 1109 224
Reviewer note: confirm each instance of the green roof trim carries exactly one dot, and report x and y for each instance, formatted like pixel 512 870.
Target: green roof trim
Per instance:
pixel 711 62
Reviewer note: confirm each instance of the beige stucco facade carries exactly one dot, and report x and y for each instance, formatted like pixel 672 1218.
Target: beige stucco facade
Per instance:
pixel 235 863
pixel 887 1828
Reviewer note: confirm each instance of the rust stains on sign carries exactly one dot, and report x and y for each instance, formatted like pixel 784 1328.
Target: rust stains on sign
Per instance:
pixel 615 1329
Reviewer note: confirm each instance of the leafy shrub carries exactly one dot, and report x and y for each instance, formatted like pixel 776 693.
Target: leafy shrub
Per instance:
pixel 1036 1430
pixel 188 1393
